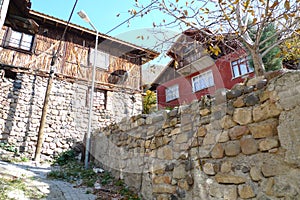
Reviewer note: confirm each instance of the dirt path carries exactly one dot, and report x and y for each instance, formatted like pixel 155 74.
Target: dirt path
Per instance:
pixel 34 177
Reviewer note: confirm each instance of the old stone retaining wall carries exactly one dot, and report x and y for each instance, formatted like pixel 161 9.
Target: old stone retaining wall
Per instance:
pixel 21 100
pixel 241 144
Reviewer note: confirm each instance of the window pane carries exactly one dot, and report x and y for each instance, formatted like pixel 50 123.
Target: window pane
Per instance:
pixel 26 42
pixel 203 81
pixel 20 40
pixel 244 69
pixel 102 59
pixel 172 93
pixel 15 39
pixel 240 67
pixel 236 71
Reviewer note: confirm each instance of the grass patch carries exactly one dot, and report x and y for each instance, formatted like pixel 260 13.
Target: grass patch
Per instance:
pixel 8 147
pixel 65 157
pixel 10 185
pixel 74 172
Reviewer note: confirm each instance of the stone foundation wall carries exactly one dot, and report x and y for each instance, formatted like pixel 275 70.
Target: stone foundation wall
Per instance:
pixel 21 101
pixel 242 144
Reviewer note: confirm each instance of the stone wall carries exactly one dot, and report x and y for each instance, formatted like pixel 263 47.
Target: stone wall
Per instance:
pixel 21 100
pixel 242 144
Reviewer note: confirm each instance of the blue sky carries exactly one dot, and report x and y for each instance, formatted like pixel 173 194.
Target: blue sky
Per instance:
pixel 103 15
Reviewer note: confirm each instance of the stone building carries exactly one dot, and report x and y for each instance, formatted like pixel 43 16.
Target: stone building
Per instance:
pixel 29 40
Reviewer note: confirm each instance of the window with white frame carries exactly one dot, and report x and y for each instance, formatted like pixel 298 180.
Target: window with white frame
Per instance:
pixel 202 81
pixel 102 59
pixel 172 93
pixel 240 67
pixel 19 40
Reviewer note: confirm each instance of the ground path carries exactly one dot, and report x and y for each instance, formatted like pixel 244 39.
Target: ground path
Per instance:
pixel 34 175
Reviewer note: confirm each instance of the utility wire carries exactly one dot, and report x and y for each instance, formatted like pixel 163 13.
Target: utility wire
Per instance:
pixel 131 17
pixel 54 58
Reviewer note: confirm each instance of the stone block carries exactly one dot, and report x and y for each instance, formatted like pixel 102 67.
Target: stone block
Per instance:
pixel 183 184
pixel 246 191
pixel 255 174
pixel 162 179
pixel 230 193
pixel 237 132
pixel 229 179
pixel 179 172
pixel 204 112
pixel 141 122
pixel 248 146
pixel 231 94
pixel 251 99
pixel 185 119
pixel 220 96
pixel 265 95
pixel 175 131
pixel 264 129
pixel 173 122
pixel 242 116
pixel 226 167
pixel 232 148
pixel 216 190
pixel 201 132
pixel 209 169
pixel 266 111
pixel 239 102
pixel 227 122
pixel 187 127
pixel 209 139
pixel 248 89
pixel 151 130
pixel 157 140
pixel 165 153
pixel 182 138
pixel 267 144
pixel 255 80
pixel 203 151
pixel 270 169
pixel 164 188
pixel 217 151
pixel 222 137
pixel 239 86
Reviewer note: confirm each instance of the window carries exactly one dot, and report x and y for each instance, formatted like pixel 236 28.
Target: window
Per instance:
pixel 202 81
pixel 102 59
pixel 19 40
pixel 240 67
pixel 172 93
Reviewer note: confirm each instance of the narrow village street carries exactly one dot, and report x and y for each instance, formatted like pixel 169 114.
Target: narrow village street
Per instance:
pixel 35 178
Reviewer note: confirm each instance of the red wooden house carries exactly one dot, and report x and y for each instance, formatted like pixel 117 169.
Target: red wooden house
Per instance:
pixel 200 65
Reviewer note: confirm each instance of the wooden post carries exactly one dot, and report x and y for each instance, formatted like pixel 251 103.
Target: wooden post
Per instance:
pixel 40 141
pixel 43 118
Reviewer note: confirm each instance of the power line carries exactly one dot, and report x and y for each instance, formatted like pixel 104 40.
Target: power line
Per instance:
pixel 131 17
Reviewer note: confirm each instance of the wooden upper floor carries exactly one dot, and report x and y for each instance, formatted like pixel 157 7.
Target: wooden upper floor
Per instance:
pixel 30 39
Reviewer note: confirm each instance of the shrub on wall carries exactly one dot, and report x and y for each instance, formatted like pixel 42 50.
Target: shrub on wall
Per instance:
pixel 149 102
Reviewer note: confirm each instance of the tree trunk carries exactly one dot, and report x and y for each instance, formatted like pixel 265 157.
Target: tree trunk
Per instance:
pixel 258 63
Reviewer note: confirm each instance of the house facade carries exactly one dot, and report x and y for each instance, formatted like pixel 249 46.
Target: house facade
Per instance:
pixel 195 71
pixel 29 39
